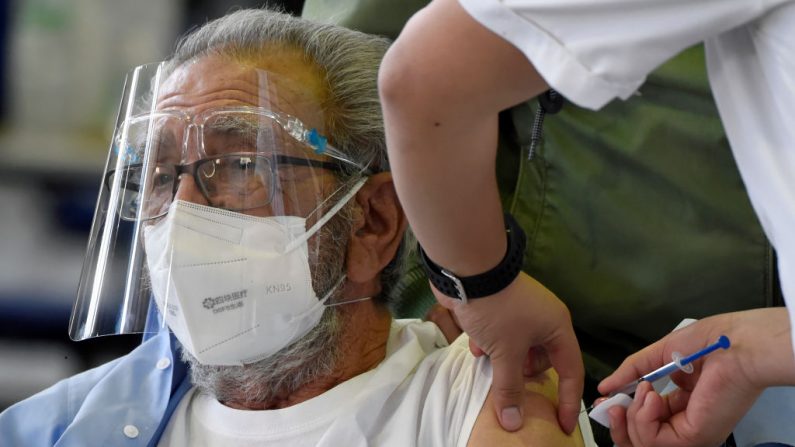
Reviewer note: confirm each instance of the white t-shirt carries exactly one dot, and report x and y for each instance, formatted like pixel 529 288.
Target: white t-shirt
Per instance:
pixel 420 395
pixel 593 52
pixel 424 393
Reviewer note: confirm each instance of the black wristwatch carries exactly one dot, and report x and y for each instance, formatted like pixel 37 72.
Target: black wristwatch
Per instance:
pixel 483 284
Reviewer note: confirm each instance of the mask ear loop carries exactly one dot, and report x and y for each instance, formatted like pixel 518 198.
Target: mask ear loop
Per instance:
pixel 363 171
pixel 326 297
pixel 349 301
pixel 316 227
pixel 326 217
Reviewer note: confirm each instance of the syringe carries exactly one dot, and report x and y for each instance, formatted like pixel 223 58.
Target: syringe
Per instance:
pixel 679 363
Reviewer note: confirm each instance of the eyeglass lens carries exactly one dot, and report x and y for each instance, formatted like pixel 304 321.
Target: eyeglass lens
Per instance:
pixel 234 175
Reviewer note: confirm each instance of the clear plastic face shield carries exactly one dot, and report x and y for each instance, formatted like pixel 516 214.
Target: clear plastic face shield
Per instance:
pixel 211 210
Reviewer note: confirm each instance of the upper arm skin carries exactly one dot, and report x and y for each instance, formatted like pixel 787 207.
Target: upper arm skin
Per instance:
pixel 442 84
pixel 452 64
pixel 540 419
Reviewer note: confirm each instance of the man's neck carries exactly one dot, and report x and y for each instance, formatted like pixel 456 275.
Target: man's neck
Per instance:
pixel 365 332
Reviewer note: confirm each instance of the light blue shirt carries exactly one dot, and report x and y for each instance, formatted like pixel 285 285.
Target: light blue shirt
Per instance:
pixel 126 402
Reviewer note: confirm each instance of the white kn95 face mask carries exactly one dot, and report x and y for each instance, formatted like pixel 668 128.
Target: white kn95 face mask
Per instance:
pixel 234 288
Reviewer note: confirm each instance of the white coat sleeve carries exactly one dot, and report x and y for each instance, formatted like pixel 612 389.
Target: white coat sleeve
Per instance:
pixel 594 51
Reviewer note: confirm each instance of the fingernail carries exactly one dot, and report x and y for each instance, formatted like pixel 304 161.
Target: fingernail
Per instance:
pixel 511 419
pixel 647 400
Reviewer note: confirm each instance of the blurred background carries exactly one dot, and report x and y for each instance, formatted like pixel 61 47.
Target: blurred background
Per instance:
pixel 62 68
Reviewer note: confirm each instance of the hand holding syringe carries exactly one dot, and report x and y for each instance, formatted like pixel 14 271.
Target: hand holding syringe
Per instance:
pixel 679 363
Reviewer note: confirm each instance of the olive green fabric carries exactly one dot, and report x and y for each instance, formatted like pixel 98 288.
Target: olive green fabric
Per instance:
pixel 383 17
pixel 636 215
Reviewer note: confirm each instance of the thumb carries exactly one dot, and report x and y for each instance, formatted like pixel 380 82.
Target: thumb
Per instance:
pixel 508 391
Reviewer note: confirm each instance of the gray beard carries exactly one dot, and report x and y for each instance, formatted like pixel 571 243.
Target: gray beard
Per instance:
pixel 311 357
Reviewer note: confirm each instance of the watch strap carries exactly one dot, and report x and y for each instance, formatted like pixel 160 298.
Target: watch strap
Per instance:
pixel 483 284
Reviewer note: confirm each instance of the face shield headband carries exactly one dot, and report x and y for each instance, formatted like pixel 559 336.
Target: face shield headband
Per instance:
pixel 266 158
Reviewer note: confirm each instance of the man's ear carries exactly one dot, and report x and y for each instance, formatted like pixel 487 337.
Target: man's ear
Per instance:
pixel 378 231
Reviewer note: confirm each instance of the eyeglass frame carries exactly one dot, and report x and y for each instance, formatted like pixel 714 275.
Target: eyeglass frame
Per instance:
pixel 292 125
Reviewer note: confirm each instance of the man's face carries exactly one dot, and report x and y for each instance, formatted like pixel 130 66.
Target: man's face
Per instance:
pixel 202 91
pixel 281 82
pixel 294 88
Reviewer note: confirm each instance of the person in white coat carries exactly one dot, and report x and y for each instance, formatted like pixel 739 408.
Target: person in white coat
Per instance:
pixel 457 64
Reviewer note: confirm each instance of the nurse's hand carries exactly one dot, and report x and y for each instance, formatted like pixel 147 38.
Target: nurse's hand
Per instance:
pixel 519 328
pixel 722 388
pixel 537 360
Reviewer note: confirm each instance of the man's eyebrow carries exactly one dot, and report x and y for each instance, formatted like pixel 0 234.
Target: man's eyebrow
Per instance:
pixel 264 131
pixel 166 143
pixel 166 136
pixel 232 124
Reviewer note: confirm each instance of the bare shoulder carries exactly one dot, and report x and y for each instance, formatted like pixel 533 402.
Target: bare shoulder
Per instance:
pixel 540 419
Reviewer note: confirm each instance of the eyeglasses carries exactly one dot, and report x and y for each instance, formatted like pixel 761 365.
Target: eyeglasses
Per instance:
pixel 236 182
pixel 246 147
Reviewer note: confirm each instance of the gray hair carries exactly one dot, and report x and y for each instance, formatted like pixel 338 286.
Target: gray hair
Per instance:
pixel 348 60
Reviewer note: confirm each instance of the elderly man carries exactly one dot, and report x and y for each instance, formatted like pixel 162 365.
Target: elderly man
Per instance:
pixel 247 177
